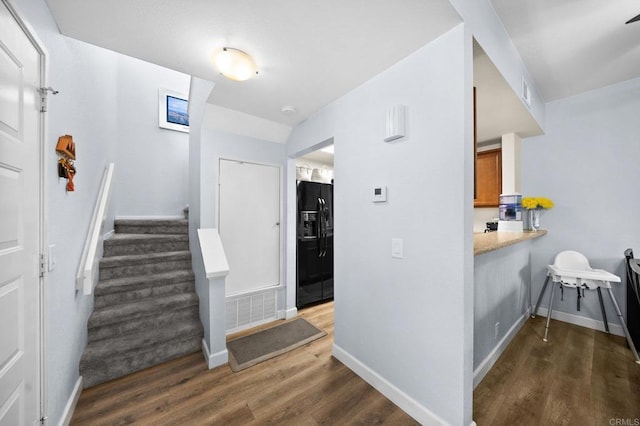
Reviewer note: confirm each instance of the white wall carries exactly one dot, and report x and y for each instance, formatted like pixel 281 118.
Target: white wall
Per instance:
pixel 405 325
pixel 587 163
pixel 152 175
pixel 199 91
pixel 86 77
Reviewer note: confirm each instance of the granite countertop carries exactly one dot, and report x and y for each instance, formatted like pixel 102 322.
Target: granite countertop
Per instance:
pixel 490 241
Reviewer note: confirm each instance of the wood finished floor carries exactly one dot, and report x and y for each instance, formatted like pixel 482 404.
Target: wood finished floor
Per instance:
pixel 580 377
pixel 306 386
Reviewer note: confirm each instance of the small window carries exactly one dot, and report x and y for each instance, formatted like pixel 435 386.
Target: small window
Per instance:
pixel 173 111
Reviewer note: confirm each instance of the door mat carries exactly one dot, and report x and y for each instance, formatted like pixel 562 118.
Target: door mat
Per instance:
pixel 266 344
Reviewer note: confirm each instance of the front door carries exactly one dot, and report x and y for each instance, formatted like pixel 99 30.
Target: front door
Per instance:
pixel 249 224
pixel 19 224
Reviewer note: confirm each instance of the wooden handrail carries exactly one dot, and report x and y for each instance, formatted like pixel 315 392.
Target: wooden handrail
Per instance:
pixel 86 274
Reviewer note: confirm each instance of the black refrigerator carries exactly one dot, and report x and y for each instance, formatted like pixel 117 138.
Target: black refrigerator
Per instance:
pixel 315 243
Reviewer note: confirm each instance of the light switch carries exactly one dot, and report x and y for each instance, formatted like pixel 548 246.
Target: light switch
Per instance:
pixel 396 248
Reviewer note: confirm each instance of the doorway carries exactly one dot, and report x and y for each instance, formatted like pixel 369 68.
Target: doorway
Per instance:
pixel 314 227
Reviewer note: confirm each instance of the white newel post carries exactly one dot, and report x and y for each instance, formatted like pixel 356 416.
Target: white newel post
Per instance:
pixel 216 269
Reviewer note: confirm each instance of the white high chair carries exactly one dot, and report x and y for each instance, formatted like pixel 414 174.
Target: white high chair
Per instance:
pixel 572 269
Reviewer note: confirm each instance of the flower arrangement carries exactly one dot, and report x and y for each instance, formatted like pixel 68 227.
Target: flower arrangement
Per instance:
pixel 537 203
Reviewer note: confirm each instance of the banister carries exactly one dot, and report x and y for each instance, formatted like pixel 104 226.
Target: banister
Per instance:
pixel 86 270
pixel 213 297
pixel 213 256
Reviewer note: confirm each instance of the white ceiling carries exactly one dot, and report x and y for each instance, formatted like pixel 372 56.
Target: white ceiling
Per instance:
pixel 312 52
pixel 571 46
pixel 309 53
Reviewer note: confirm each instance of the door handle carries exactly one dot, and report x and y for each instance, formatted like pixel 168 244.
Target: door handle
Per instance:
pixel 324 227
pixel 319 226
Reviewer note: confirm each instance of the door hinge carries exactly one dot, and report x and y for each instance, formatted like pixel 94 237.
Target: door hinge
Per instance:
pixel 43 264
pixel 44 93
pixel 43 420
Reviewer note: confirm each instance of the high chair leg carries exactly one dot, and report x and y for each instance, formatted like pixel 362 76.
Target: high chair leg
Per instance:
pixel 546 328
pixel 544 287
pixel 604 313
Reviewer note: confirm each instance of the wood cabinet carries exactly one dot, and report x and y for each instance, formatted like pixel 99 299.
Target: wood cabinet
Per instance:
pixel 488 178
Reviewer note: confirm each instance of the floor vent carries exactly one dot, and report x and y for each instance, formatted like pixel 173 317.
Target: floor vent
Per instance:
pixel 251 309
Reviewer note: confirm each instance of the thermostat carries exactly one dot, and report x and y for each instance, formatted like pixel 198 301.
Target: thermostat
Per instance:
pixel 379 194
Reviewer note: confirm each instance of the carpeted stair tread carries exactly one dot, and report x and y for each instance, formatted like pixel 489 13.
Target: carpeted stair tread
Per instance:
pixel 131 244
pixel 151 222
pixel 138 294
pixel 129 311
pixel 118 285
pixel 140 340
pixel 116 239
pixel 103 370
pixel 149 322
pixel 141 259
pixel 152 226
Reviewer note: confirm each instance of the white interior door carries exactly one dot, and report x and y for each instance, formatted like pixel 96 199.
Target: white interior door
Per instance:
pixel 249 224
pixel 19 224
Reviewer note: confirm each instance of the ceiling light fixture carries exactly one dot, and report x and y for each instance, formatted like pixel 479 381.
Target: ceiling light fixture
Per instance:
pixel 288 110
pixel 235 64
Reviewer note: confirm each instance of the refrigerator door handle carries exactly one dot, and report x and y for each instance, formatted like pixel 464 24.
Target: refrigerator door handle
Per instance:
pixel 324 227
pixel 319 227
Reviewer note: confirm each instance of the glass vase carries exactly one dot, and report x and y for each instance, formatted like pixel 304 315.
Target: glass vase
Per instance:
pixel 534 219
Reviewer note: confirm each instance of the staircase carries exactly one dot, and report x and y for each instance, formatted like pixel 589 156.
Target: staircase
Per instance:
pixel 145 306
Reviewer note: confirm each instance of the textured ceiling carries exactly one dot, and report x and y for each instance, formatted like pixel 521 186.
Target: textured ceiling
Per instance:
pixel 309 52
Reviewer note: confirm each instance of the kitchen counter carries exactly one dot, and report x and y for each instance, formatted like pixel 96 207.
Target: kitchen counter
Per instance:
pixel 490 241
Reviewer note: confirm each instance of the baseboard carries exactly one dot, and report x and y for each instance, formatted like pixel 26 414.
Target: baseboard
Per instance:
pixel 108 234
pixel 281 314
pixel 493 356
pixel 398 397
pixel 291 313
pixel 214 360
pixel 614 328
pixel 177 217
pixel 67 414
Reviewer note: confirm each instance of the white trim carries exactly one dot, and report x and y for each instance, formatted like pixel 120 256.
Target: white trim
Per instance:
pixel 582 321
pixel 291 313
pixel 108 234
pixel 177 217
pixel 214 360
pixel 493 356
pixel 281 207
pixel 213 255
pixel 397 396
pixel 67 414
